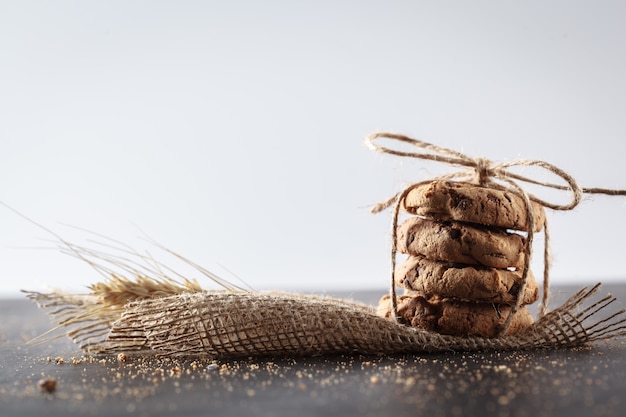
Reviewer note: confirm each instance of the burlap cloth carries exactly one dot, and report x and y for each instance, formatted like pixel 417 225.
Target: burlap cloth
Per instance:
pixel 226 324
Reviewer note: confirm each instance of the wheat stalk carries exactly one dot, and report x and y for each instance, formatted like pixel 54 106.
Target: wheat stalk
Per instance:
pixel 128 276
pixel 117 291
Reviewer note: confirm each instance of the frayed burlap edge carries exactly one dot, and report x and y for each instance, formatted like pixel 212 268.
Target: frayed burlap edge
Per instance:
pixel 224 324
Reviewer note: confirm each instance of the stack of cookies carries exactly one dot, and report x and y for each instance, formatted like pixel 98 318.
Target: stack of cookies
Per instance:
pixel 466 252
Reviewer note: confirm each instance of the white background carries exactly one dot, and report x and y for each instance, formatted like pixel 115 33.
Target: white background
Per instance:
pixel 231 132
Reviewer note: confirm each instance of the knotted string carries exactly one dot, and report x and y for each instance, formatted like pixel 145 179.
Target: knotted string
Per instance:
pixel 488 174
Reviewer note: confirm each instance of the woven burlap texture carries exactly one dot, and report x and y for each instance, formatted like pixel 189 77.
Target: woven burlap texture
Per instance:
pixel 226 324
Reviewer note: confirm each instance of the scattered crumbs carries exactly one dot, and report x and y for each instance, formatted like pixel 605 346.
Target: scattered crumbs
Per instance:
pixel 224 369
pixel 429 380
pixel 410 381
pixel 503 400
pixel 48 385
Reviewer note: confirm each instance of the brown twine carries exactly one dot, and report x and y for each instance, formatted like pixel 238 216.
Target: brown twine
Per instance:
pixel 485 173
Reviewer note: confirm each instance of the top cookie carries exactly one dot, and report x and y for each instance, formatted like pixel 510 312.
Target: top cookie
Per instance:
pixel 472 203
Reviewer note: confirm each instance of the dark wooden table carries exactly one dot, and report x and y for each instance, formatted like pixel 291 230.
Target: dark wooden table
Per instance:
pixel 583 382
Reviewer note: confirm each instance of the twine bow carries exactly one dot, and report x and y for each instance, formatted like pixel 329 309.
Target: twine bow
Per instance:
pixel 485 173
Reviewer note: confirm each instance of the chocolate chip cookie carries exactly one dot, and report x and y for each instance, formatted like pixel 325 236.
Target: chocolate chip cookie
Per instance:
pixel 461 242
pixel 471 203
pixel 472 283
pixel 453 317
